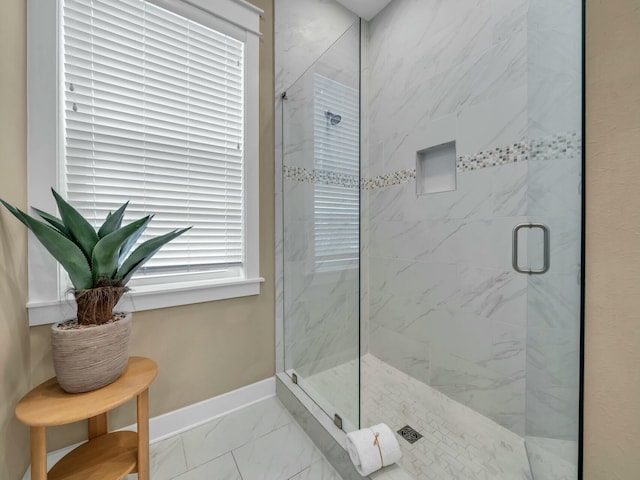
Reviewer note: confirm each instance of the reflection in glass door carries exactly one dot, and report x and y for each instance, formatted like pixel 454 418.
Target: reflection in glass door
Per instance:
pixel 321 217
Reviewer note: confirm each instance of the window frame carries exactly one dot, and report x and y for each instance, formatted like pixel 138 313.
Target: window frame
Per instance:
pixel 46 279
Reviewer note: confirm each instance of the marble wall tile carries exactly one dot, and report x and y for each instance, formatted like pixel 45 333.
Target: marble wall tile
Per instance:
pixel 515 423
pixel 433 283
pixel 315 316
pixel 556 53
pixel 558 14
pixel 499 295
pixel 497 397
pixel 425 241
pixel 486 243
pixel 305 282
pixel 564 236
pixel 510 190
pixel 308 356
pixel 511 18
pixel 496 122
pixel 303 31
pixel 404 353
pixel 555 188
pixel 554 301
pixel 428 82
pixel 406 315
pixel 555 69
pixel 553 356
pixel 473 197
pixel 298 241
pixel 390 204
pixel 554 106
pixel 475 80
pixel 552 411
pixel 298 206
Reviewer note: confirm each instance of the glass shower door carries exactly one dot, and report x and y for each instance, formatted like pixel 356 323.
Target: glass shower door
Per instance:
pixel 321 221
pixel 555 200
pixel 481 359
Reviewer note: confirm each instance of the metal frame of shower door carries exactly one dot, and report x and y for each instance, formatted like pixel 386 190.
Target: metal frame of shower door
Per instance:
pixel 582 249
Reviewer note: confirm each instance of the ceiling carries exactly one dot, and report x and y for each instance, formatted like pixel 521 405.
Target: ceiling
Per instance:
pixel 366 9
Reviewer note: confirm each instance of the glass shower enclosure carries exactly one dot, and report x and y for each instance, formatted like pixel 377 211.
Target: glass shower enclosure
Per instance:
pixel 321 221
pixel 432 211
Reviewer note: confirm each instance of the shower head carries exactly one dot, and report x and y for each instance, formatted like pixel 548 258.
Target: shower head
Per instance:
pixel 333 118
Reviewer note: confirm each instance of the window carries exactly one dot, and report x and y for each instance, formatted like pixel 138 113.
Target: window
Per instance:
pixel 156 104
pixel 336 153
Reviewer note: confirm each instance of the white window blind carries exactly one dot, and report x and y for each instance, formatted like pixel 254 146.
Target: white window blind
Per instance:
pixel 336 145
pixel 154 114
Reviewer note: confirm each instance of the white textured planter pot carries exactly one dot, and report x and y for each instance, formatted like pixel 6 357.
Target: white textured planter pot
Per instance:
pixel 86 359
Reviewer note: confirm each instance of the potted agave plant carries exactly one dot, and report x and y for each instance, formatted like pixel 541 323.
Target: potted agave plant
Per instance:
pixel 92 351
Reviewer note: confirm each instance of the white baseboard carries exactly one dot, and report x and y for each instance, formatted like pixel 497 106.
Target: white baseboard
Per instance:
pixel 183 419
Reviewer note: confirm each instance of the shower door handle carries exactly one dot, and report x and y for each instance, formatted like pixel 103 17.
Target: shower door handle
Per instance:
pixel 545 247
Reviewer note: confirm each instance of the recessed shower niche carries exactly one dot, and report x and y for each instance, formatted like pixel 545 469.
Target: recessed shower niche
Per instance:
pixel 436 169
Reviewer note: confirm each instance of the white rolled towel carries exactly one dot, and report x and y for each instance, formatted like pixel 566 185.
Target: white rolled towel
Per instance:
pixel 372 448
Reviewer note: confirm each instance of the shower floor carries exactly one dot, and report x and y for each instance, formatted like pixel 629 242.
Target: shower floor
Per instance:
pixel 458 443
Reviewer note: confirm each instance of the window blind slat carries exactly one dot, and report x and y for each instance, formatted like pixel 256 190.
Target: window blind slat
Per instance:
pixel 336 149
pixel 154 115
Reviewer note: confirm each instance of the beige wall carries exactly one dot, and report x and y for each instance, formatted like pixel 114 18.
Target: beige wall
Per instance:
pixel 202 350
pixel 14 333
pixel 612 363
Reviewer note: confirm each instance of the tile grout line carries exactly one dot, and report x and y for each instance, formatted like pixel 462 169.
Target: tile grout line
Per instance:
pixel 184 453
pixel 236 464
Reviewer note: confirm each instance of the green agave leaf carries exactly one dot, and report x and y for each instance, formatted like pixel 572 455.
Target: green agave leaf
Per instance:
pixel 82 232
pixel 54 221
pixel 112 222
pixel 106 253
pixel 131 242
pixel 63 250
pixel 143 253
pixel 16 213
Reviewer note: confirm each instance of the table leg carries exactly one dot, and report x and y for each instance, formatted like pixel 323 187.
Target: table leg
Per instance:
pixel 143 435
pixel 98 425
pixel 38 453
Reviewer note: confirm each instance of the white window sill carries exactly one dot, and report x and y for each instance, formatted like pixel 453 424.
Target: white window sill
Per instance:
pixel 151 298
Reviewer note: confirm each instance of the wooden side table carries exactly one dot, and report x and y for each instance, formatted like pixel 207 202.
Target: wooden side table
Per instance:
pixel 106 456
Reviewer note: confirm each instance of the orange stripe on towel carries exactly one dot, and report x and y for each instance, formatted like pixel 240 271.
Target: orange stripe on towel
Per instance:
pixel 376 442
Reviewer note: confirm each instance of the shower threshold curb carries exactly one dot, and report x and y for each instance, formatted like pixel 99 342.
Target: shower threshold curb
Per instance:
pixel 327 437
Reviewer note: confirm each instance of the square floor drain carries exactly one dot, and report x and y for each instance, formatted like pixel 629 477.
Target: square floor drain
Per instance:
pixel 409 434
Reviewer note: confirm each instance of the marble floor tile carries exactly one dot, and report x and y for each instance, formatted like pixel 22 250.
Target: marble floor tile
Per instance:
pixel 278 455
pixel 167 459
pixel 222 468
pixel 220 436
pixel 320 470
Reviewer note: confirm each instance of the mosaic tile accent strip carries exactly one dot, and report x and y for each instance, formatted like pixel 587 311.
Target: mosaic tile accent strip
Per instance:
pixel 555 147
pixel 324 177
pixel 518 152
pixel 395 178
